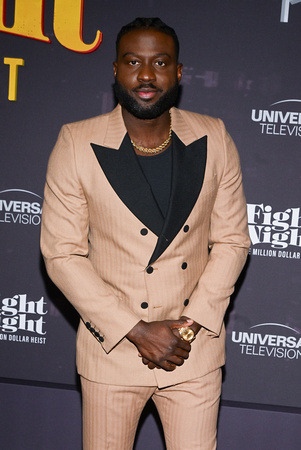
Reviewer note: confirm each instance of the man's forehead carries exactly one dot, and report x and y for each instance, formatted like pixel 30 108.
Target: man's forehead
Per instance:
pixel 143 40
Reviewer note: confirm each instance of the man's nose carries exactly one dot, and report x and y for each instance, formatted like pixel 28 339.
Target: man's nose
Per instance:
pixel 146 73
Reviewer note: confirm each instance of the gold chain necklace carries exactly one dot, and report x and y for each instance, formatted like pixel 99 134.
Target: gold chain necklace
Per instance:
pixel 156 149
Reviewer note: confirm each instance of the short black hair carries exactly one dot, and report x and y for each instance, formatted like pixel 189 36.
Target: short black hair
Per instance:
pixel 149 23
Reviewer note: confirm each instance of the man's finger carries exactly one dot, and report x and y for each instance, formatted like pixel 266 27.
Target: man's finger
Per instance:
pixel 180 323
pixel 182 353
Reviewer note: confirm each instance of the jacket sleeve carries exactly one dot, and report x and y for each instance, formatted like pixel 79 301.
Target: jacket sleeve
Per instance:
pixel 64 245
pixel 228 242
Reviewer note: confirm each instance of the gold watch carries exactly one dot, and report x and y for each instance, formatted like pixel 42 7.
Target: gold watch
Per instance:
pixel 187 334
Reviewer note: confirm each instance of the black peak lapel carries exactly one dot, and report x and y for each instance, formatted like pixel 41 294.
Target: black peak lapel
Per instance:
pixel 189 165
pixel 126 178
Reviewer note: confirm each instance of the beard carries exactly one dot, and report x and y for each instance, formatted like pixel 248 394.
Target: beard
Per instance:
pixel 146 111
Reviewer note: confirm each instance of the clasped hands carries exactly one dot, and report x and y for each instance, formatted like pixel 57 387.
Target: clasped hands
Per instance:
pixel 159 343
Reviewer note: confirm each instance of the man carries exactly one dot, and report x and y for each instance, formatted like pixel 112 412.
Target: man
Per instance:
pixel 145 232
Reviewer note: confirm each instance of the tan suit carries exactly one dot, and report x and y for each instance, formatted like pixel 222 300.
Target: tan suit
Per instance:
pixel 108 249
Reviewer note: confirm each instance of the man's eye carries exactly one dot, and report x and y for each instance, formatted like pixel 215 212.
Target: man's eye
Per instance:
pixel 133 63
pixel 161 63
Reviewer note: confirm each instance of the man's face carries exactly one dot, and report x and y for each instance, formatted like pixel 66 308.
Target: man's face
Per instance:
pixel 147 73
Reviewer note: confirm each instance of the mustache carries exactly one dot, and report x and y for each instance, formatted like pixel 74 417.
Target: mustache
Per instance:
pixel 147 86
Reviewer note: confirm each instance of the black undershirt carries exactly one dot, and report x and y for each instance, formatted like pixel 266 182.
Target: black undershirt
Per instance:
pixel 157 170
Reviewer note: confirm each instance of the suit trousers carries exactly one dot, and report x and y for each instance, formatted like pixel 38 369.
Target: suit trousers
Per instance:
pixel 188 412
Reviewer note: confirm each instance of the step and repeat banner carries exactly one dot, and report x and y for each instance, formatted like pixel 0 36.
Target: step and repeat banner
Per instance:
pixel 241 63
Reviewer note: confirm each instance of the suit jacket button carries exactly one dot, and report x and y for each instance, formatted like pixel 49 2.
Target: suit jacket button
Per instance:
pixel 144 305
pixel 101 338
pixel 88 325
pixel 150 269
pixel 186 228
pixel 144 231
pixel 184 265
pixel 186 302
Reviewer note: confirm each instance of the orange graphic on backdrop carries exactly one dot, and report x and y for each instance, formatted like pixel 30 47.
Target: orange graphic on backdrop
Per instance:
pixel 67 23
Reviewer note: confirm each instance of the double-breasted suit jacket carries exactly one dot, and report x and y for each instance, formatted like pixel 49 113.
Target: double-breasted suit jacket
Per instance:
pixel 108 248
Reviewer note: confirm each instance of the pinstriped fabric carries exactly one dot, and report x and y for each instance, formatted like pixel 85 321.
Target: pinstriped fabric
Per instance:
pixel 115 131
pixel 188 412
pixel 111 415
pixel 96 255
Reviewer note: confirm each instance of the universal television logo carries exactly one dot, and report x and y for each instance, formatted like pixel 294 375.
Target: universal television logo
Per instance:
pixel 19 206
pixel 275 122
pixel 284 344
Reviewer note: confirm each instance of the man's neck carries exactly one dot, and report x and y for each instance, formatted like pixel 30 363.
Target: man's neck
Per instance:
pixel 148 133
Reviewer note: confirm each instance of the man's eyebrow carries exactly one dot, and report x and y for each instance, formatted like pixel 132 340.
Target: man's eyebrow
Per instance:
pixel 163 54
pixel 129 54
pixel 137 55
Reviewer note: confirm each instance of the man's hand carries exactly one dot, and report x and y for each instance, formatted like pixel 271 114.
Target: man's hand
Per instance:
pixel 195 326
pixel 158 345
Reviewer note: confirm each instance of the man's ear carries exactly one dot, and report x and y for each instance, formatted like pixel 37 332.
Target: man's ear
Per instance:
pixel 179 71
pixel 115 68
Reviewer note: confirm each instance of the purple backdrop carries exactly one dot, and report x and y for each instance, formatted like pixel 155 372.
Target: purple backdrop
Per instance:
pixel 242 64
